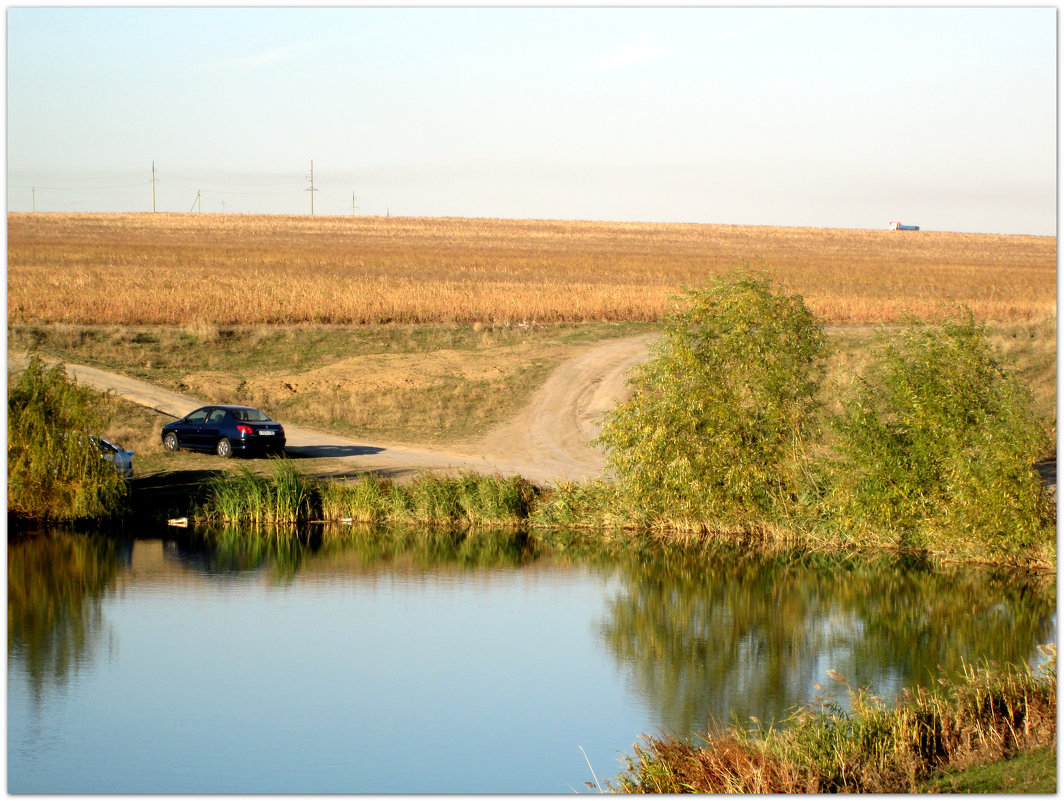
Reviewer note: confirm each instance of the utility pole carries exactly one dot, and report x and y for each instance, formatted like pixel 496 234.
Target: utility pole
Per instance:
pixel 153 179
pixel 35 198
pixel 312 190
pixel 223 207
pixel 353 206
pixel 196 203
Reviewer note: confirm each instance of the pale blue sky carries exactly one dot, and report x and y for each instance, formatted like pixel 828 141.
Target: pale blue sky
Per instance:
pixel 841 117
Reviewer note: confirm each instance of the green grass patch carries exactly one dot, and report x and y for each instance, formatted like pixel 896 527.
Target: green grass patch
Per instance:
pixel 1032 771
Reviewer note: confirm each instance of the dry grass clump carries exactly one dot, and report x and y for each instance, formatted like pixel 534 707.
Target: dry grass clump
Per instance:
pixel 202 270
pixel 985 714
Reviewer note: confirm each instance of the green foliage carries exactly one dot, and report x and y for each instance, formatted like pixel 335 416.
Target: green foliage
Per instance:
pixel 719 422
pixel 584 504
pixel 937 443
pixel 54 470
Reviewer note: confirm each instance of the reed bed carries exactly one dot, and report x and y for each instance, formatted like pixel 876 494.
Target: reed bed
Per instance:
pixel 171 269
pixel 467 499
pixel 286 495
pixel 985 714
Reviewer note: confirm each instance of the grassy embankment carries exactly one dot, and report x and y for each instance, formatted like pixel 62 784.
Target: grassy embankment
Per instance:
pixel 988 730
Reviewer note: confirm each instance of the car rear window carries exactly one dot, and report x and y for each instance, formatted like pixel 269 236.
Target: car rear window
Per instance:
pixel 250 416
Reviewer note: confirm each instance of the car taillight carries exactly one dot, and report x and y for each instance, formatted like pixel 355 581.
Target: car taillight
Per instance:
pixel 281 430
pixel 245 430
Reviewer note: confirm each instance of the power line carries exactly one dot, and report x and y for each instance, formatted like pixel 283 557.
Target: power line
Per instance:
pixel 74 188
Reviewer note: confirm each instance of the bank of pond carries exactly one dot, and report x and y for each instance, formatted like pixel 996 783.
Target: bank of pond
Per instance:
pixel 597 508
pixel 713 665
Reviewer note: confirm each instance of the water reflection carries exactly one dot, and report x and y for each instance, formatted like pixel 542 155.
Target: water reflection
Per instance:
pixel 54 587
pixel 723 635
pixel 704 635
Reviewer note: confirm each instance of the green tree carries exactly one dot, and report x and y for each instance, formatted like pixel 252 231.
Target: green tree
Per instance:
pixel 938 442
pixel 54 471
pixel 718 425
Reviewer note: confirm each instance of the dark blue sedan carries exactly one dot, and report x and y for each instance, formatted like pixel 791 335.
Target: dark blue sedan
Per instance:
pixel 225 430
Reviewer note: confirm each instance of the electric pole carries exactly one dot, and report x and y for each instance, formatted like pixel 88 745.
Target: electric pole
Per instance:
pixel 312 190
pixel 353 206
pixel 153 180
pixel 35 198
pixel 196 203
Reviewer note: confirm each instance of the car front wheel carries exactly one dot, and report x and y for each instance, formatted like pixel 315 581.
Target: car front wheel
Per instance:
pixel 224 448
pixel 170 442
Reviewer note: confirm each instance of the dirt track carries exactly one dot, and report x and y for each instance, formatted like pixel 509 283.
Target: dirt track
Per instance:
pixel 549 440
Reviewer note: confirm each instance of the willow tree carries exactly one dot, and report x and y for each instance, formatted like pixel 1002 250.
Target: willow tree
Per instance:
pixel 937 445
pixel 718 426
pixel 54 469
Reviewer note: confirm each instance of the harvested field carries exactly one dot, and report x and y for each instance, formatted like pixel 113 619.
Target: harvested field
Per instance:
pixel 174 269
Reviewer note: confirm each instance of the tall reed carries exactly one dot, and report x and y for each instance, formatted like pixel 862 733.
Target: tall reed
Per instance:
pixel 987 713
pixel 464 499
pixel 286 496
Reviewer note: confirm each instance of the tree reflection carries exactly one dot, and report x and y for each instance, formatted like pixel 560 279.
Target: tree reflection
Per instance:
pixel 723 636
pixel 55 584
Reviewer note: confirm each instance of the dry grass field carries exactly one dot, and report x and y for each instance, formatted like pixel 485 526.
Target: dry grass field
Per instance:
pixel 173 269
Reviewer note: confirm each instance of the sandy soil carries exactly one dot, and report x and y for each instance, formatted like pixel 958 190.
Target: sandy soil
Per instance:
pixel 549 440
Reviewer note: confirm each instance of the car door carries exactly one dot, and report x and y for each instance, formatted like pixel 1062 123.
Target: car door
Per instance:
pixel 211 430
pixel 189 429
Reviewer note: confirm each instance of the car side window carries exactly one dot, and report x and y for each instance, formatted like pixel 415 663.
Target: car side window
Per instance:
pixel 217 416
pixel 197 416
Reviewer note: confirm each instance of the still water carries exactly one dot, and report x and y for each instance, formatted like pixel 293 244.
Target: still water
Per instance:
pixel 418 662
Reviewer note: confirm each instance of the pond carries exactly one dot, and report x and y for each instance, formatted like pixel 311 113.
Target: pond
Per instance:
pixel 383 661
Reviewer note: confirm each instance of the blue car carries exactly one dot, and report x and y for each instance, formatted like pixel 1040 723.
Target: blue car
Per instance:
pixel 226 430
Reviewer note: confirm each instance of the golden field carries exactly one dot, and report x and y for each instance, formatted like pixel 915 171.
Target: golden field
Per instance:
pixel 180 269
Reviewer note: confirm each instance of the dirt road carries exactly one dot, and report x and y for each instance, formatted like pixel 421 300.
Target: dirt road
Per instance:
pixel 549 439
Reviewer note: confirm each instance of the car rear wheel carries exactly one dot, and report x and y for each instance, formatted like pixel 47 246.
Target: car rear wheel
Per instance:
pixel 170 442
pixel 224 448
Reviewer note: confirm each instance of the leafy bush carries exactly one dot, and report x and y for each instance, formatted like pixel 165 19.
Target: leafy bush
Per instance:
pixel 54 470
pixel 719 421
pixel 937 440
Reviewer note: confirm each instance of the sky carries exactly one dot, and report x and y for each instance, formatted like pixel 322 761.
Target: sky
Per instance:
pixel 847 117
